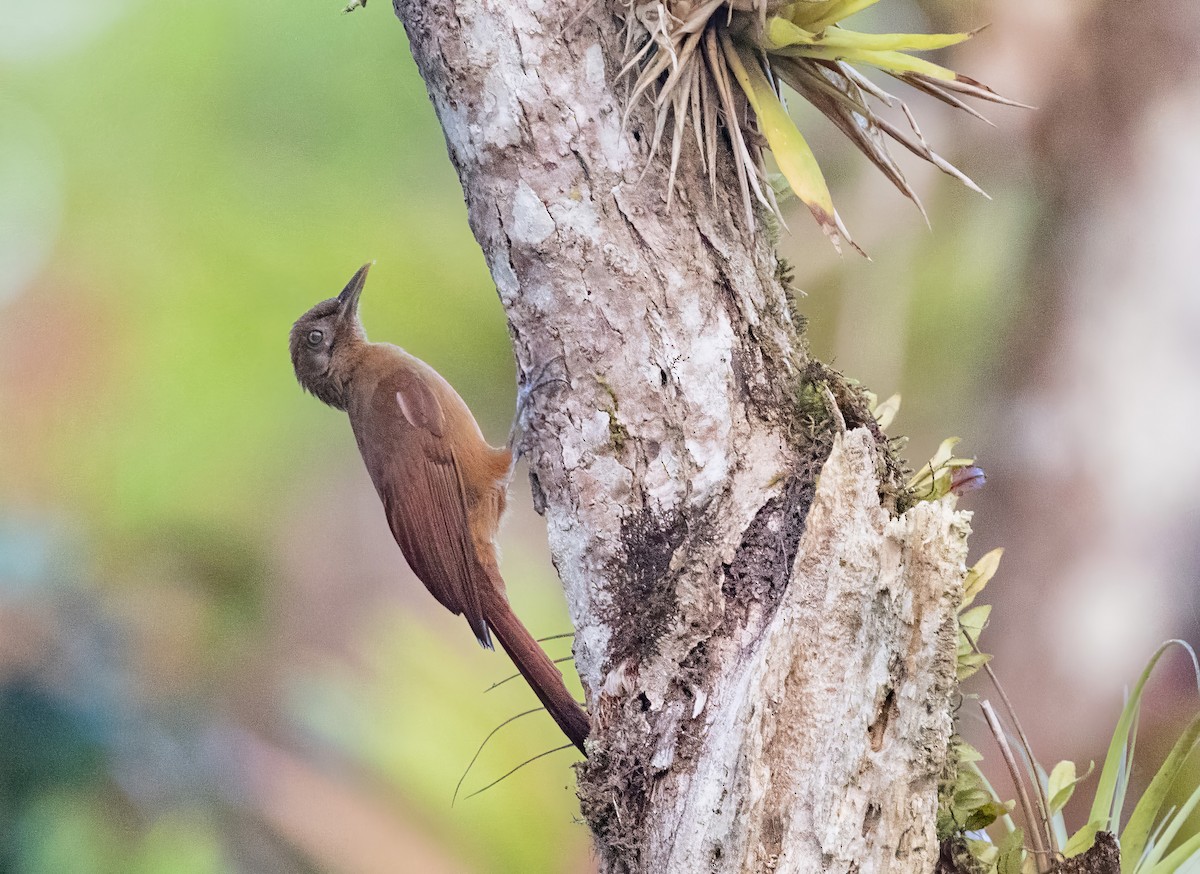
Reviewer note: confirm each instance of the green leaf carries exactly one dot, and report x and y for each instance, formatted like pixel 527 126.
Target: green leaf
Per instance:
pixel 972 798
pixel 932 481
pixel 969 665
pixel 1061 784
pixel 1082 840
pixel 1123 774
pixel 1160 844
pixel 980 575
pixel 782 33
pixel 968 753
pixel 1011 850
pixel 1185 852
pixel 795 159
pixel 836 37
pixel 984 851
pixel 1005 819
pixel 1141 821
pixel 1102 812
pixel 984 815
pixel 893 62
pixel 815 16
pixel 974 621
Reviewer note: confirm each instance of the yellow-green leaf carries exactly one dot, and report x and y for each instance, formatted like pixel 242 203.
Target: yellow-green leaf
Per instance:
pixel 893 62
pixel 968 753
pixel 984 815
pixel 984 851
pixel 814 16
pixel 782 33
pixel 980 575
pixel 795 159
pixel 1061 784
pixel 889 42
pixel 1142 821
pixel 1011 849
pixel 1082 840
pixel 1154 861
pixel 925 476
pixel 1115 762
pixel 969 665
pixel 933 480
pixel 973 621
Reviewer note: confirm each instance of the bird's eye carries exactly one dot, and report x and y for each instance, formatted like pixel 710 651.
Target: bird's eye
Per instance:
pixel 315 338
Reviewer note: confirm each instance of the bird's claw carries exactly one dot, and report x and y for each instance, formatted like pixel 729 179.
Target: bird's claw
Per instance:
pixel 525 394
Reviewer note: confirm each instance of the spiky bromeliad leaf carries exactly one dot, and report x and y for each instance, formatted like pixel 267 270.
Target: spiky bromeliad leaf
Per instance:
pixel 795 159
pixel 688 55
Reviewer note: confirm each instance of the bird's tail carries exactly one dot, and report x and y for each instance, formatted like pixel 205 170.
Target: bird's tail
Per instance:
pixel 535 666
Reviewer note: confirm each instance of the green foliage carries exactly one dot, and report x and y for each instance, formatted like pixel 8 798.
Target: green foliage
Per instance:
pixel 1146 837
pixel 972 620
pixel 1061 784
pixel 1152 841
pixel 1139 835
pixel 966 802
pixel 935 479
pixel 1010 853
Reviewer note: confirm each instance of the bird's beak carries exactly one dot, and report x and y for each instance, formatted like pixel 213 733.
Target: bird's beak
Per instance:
pixel 348 299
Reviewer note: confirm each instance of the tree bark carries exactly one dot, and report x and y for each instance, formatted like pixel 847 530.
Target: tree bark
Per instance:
pixel 768 662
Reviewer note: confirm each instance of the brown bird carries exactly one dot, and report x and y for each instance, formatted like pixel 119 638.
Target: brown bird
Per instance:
pixel 443 487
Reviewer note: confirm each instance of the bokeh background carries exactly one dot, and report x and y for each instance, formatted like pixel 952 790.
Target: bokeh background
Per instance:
pixel 211 656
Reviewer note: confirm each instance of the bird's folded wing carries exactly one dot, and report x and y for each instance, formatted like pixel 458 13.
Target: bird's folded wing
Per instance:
pixel 418 403
pixel 426 506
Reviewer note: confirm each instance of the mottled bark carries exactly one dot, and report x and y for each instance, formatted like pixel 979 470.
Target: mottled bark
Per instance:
pixel 768 662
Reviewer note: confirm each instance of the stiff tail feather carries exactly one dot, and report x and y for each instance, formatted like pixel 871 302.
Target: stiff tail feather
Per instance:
pixel 535 666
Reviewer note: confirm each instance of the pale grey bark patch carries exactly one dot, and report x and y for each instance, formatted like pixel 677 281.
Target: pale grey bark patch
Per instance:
pixel 819 744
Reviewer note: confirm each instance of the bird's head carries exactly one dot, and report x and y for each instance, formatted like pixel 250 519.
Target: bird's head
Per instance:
pixel 323 338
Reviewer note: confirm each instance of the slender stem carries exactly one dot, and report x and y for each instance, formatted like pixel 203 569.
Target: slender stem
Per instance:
pixel 1041 857
pixel 1043 801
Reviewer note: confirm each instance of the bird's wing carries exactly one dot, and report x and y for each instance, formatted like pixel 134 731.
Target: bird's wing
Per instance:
pixel 420 483
pixel 418 403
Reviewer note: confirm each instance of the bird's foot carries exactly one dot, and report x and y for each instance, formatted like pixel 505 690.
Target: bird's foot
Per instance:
pixel 541 379
pixel 354 4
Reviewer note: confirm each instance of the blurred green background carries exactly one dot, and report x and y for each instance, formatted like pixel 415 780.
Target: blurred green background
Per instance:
pixel 211 656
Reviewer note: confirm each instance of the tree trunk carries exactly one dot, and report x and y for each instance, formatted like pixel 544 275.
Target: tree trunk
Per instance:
pixel 768 662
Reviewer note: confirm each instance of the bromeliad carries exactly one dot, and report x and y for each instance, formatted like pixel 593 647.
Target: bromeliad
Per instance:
pixel 724 62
